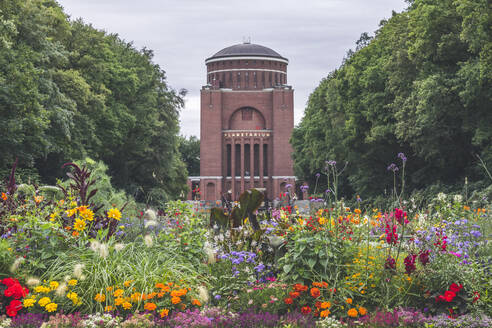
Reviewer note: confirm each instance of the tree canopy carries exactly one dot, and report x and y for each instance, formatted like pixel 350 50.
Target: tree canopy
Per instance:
pixel 421 86
pixel 69 91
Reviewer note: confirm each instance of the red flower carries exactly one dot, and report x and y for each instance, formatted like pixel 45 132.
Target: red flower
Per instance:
pixel 294 294
pixel 315 292
pixel 305 310
pixel 455 288
pixel 13 307
pixel 288 301
pixel 9 281
pixel 449 296
pixel 477 297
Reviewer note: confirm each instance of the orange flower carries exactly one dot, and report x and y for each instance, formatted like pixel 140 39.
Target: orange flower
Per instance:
pixel 4 196
pixel 150 306
pixel 300 288
pixel 325 305
pixel 362 310
pixel 324 284
pixel 164 313
pixel 175 300
pixel 100 298
pixel 159 285
pixel 75 233
pixel 315 292
pixel 108 308
pixel 352 312
pixel 118 293
pixel 324 314
pixel 317 284
pixel 127 283
pixel 357 211
pixel 118 301
pixel 294 294
pixel 196 302
pixel 127 305
pixel 288 301
pixel 349 300
pixel 182 306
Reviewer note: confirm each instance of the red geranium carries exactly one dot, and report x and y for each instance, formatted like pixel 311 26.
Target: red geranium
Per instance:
pixel 449 296
pixel 315 292
pixel 455 288
pixel 288 300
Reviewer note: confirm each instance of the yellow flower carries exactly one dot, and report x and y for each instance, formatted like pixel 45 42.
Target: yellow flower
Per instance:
pixel 71 212
pixel 72 282
pixel 79 225
pixel 119 301
pixel 28 302
pixel 324 314
pixel 43 301
pixel 86 213
pixel 127 305
pixel 54 285
pixel 114 213
pixel 41 289
pixel 100 298
pixel 164 313
pixel 322 220
pixel 51 307
pixel 127 283
pixel 352 312
pixel 108 308
pixel 118 293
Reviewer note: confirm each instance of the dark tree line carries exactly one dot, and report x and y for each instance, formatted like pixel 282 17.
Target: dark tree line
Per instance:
pixel 422 86
pixel 69 91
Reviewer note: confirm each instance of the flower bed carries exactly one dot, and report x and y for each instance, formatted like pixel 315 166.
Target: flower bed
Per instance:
pixel 68 263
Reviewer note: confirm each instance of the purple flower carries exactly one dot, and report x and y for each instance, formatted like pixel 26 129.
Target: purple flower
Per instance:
pixel 327 191
pixel 318 175
pixel 217 297
pixel 304 188
pixel 402 156
pixel 331 163
pixel 260 267
pixel 392 167
pixel 287 186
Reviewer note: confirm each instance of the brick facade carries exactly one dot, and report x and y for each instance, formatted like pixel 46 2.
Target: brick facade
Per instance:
pixel 247 117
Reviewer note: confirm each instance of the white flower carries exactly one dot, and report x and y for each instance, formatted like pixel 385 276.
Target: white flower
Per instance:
pixel 16 264
pixel 148 241
pixel 103 251
pixel 31 282
pixel 77 270
pixel 119 247
pixel 210 253
pixel 150 215
pixel 95 245
pixel 203 294
pixel 150 223
pixel 458 198
pixel 61 290
pixel 441 196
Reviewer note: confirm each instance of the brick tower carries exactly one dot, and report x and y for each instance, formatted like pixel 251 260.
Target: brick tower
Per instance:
pixel 247 117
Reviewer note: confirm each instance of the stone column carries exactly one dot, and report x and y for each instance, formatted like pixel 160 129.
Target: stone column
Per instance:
pixel 233 169
pixel 260 153
pixel 252 162
pixel 242 165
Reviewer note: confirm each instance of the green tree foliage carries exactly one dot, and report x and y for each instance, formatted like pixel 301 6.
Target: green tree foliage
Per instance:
pixel 68 91
pixel 190 154
pixel 422 86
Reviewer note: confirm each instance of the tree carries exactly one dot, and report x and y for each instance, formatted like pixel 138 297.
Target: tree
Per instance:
pixel 190 154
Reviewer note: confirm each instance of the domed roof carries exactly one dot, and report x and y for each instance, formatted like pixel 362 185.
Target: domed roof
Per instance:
pixel 246 49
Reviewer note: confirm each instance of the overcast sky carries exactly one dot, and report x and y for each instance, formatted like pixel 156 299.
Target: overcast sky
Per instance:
pixel 313 34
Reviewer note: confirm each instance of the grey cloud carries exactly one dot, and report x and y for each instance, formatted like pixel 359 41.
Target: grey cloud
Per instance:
pixel 314 34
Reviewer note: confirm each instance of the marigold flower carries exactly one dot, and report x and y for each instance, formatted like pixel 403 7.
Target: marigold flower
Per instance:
pixel 159 285
pixel 196 302
pixel 114 213
pixel 175 300
pixel 27 302
pixel 4 196
pixel 349 300
pixel 118 292
pixel 51 307
pixel 119 301
pixel 108 308
pixel 362 310
pixel 288 300
pixel 352 312
pixel 294 294
pixel 44 301
pixel 315 292
pixel 324 314
pixel 305 310
pixel 325 305
pixel 54 285
pixel 150 306
pixel 127 305
pixel 127 283
pixel 164 313
pixel 100 297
